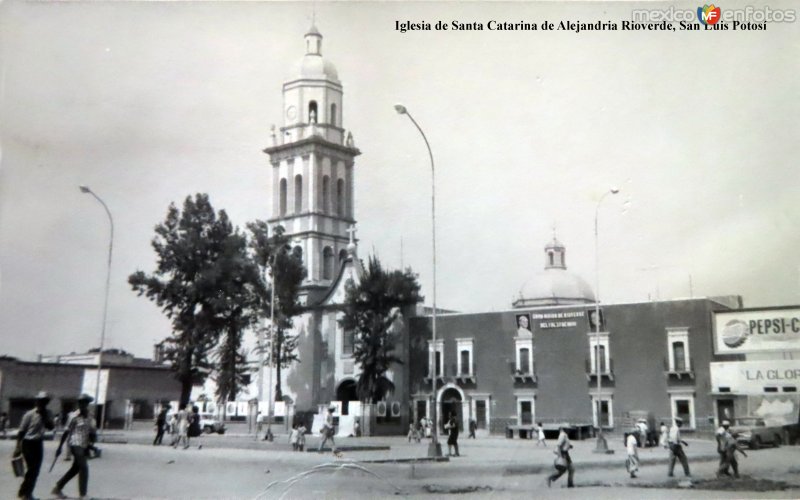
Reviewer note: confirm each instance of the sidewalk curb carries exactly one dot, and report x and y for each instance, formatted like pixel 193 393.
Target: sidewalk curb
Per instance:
pixel 606 464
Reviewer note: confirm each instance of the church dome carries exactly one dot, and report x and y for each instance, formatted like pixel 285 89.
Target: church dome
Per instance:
pixel 554 285
pixel 313 66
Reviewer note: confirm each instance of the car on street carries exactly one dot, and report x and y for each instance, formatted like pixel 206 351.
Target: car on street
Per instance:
pixel 210 422
pixel 754 433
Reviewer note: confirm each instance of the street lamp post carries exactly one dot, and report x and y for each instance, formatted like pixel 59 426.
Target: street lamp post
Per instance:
pixel 602 445
pixel 85 189
pixel 434 450
pixel 261 345
pixel 268 436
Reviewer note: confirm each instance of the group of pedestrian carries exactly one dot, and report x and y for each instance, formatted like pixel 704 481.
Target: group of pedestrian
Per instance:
pixel 669 438
pixel 185 424
pixel 297 438
pixel 79 434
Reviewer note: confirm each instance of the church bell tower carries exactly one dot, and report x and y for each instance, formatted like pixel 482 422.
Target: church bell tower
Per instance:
pixel 312 162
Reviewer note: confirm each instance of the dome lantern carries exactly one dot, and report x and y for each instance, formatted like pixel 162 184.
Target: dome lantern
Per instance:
pixel 554 285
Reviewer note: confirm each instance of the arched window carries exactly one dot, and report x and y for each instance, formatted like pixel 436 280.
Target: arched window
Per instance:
pixel 340 197
pixel 550 254
pixel 312 112
pixel 283 197
pixel 298 193
pixel 326 194
pixel 327 263
pixel 333 114
pixel 342 255
pixel 679 355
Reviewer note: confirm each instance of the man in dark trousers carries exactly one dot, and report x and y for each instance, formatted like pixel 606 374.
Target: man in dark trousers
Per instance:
pixel 161 425
pixel 81 433
pixel 473 426
pixel 676 445
pixel 452 435
pixel 29 442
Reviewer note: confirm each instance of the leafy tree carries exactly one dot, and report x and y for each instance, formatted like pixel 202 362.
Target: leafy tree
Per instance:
pixel 372 311
pixel 273 254
pixel 236 305
pixel 193 248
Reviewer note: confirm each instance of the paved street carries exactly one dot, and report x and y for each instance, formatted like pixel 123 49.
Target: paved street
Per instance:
pixel 236 466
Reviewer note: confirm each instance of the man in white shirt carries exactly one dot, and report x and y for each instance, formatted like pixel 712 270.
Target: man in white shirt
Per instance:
pixel 720 437
pixel 676 445
pixel 632 461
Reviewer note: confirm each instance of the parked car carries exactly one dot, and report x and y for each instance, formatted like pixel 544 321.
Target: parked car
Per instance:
pixel 210 422
pixel 754 433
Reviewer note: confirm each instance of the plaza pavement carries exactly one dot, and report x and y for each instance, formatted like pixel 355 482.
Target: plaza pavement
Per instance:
pixel 235 466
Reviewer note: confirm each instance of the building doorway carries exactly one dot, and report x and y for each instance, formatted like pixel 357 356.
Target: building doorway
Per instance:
pixel 451 404
pixel 345 393
pixel 480 413
pixel 725 410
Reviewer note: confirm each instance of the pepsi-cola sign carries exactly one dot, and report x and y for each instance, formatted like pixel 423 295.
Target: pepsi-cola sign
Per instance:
pixel 757 330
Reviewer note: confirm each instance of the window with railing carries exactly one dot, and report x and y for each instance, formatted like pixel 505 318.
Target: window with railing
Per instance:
pixel 524 360
pixel 465 360
pixel 524 357
pixel 678 350
pixel 599 351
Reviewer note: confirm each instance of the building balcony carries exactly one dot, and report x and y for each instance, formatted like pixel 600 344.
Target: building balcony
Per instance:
pixel 606 372
pixel 452 374
pixel 679 371
pixel 520 375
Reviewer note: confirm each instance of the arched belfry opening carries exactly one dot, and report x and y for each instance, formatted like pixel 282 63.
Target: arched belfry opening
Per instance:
pixel 312 112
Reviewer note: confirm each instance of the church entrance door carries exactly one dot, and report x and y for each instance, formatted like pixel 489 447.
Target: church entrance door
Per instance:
pixel 345 393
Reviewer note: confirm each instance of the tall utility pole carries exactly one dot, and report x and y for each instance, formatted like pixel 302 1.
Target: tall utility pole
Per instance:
pixel 602 444
pixel 434 450
pixel 87 190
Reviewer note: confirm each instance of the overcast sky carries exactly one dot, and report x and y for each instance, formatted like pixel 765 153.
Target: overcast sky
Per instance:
pixel 150 102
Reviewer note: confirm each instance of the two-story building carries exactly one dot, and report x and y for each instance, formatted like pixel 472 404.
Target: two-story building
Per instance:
pixel 539 361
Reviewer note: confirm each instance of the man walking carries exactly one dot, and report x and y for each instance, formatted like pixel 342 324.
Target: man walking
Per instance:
pixel 3 423
pixel 473 426
pixel 29 442
pixel 632 460
pixel 730 447
pixel 676 445
pixel 452 435
pixel 563 462
pixel 328 430
pixel 719 435
pixel 161 425
pixel 80 433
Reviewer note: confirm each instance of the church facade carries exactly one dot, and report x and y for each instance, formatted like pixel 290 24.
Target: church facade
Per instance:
pixel 312 159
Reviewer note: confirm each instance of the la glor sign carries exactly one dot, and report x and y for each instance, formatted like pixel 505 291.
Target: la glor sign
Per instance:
pixel 753 377
pixel 757 330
